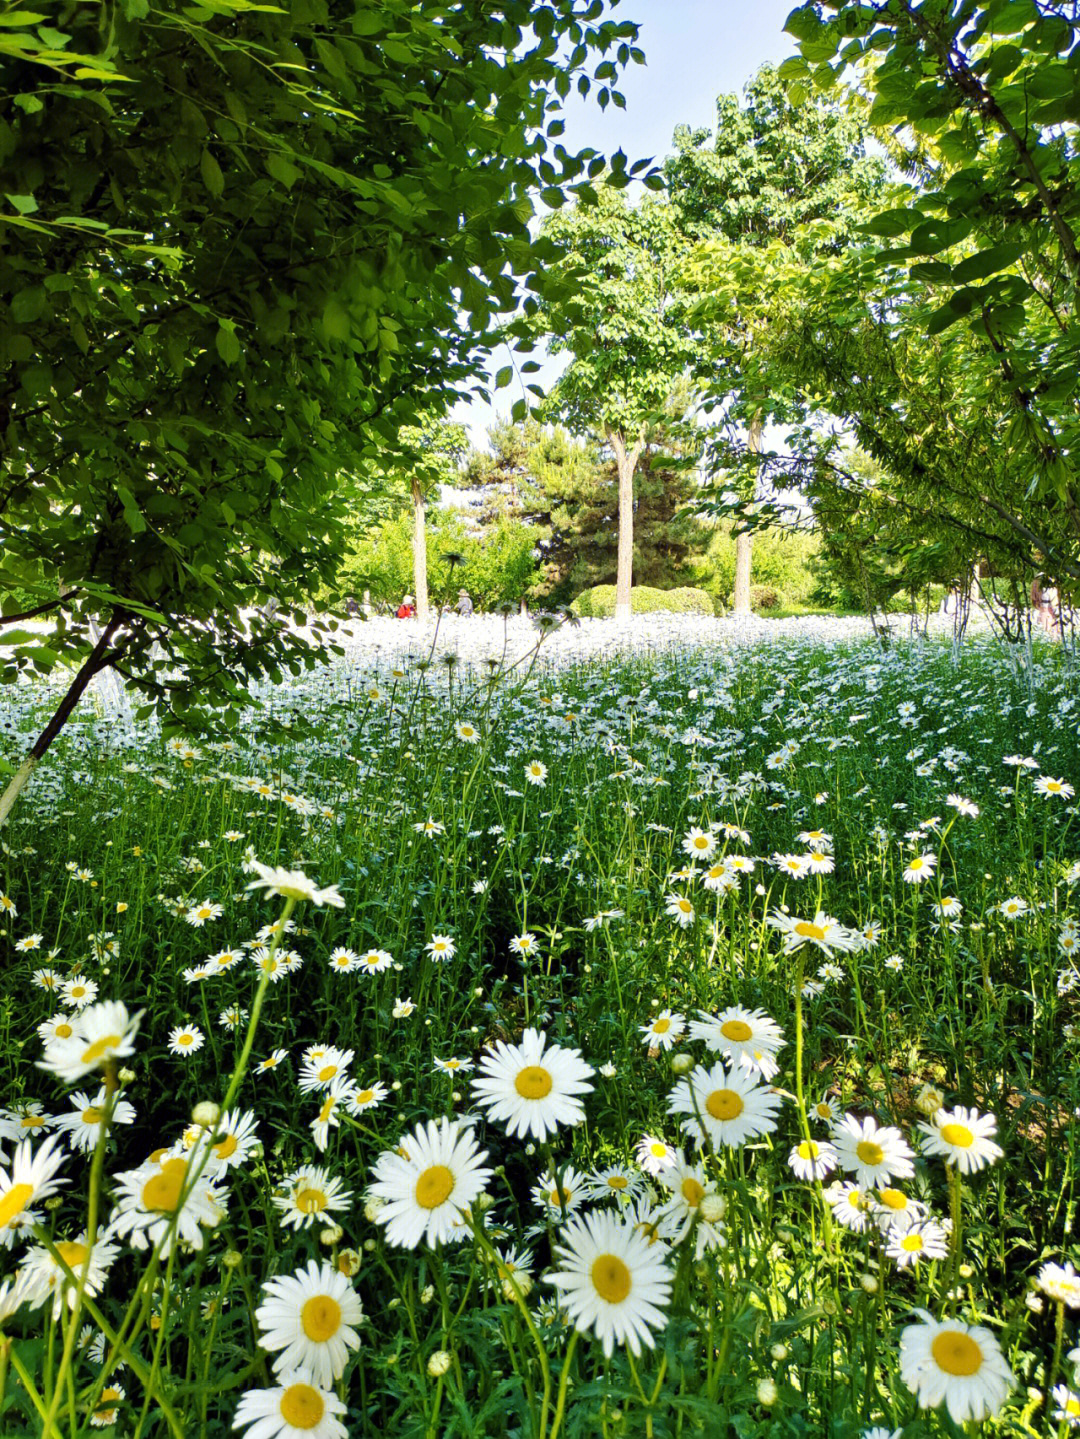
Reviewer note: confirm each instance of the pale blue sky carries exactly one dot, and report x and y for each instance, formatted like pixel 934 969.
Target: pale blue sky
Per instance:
pixel 695 50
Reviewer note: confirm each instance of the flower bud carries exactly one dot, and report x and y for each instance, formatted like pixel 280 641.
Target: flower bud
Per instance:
pixel 232 1259
pixel 206 1114
pixel 712 1208
pixel 929 1100
pixel 779 1352
pixel 331 1235
pixel 438 1364
pixel 869 1283
pixel 682 1063
pixel 767 1393
pixel 427 1294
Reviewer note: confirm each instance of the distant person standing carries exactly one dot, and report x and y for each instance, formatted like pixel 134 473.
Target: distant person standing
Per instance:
pixel 405 609
pixel 464 604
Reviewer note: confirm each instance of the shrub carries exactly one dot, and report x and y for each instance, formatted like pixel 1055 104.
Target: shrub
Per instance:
pixel 764 597
pixel 599 602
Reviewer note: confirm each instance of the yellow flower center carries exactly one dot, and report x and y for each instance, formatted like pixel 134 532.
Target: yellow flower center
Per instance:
pixel 63 1031
pixel 685 906
pixel 869 1152
pixel 692 1191
pixel 912 1243
pixel 725 1104
pixel 326 1111
pixel 364 1096
pixel 106 1405
pixel 958 1135
pixel 302 1406
pixel 14 1202
pixel 100 1048
pixel 227 1147
pixel 808 1149
pixel 616 1181
pixel 327 1072
pixel 533 1082
pixel 823 1110
pixel 915 864
pixel 31 1121
pixel 736 1029
pixel 892 1198
pixel 1053 785
pixel 320 1318
pixel 161 1192
pixel 311 1201
pixel 611 1278
pixel 72 1253
pixel 956 1353
pixel 806 930
pixel 558 1197
pixel 92 1115
pixel 701 841
pixel 184 1039
pixel 434 1186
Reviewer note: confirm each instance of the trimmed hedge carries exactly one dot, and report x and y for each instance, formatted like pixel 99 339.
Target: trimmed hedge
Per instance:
pixel 599 602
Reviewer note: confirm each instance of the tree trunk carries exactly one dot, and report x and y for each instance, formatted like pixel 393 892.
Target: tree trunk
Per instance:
pixel 419 551
pixel 625 464
pixel 744 544
pixel 95 661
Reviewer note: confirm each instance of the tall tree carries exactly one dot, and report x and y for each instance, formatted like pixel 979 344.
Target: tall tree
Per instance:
pixel 244 245
pixel 774 163
pixel 982 99
pixel 619 318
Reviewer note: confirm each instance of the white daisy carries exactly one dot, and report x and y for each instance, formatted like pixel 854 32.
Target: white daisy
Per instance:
pixel 46 1278
pixel 104 1032
pixel 295 1410
pixel 923 1239
pixel 82 1124
pixel 957 1364
pixel 30 1179
pixel 435 1175
pixel 310 1195
pixel 962 1137
pixel 664 1030
pixel 725 1107
pixel 611 1281
pixel 810 1159
pixel 532 1086
pixel 156 1204
pixel 308 1319
pixel 186 1039
pixel 874 1153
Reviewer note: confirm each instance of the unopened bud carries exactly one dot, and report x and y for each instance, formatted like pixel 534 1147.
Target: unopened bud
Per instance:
pixel 438 1364
pixel 767 1393
pixel 206 1114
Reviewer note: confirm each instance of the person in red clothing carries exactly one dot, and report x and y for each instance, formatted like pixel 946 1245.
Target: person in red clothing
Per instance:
pixel 405 609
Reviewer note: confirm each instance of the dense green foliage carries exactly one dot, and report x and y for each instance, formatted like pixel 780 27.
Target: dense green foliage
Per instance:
pixel 599 602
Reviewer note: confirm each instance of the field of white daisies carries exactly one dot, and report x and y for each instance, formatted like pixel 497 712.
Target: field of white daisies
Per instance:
pixel 676 1046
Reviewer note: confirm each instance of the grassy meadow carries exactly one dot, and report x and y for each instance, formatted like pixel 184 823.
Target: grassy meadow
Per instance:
pixel 669 1047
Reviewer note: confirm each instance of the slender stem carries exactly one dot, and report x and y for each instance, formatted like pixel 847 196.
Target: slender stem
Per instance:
pixel 564 1379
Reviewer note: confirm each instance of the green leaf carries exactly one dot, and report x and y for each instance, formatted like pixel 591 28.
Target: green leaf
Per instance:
pixel 28 305
pixel 987 262
pixel 227 343
pixel 283 169
pixel 336 321
pixel 210 170
pixel 933 236
pixel 25 204
pixel 503 378
pixel 135 522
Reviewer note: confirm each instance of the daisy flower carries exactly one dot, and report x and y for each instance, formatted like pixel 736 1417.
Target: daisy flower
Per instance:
pixel 467 732
pixel 615 1182
pixel 746 1036
pixel 920 867
pixel 30 1179
pixel 232 1139
pixel 199 914
pixel 963 806
pixel 1014 908
pixel 532 1086
pixel 328 1117
pixel 957 1364
pixel 295 1410
pixel 25 1120
pixel 186 1039
pixel 536 772
pixel 224 959
pixel 1053 788
pixel 792 865
pixel 725 1107
pixel 824 932
pixel 611 1281
pixel 343 960
pixel 28 942
pixel 1060 1283
pixel 811 1160
pixel 154 1210
pixel 453 1066
pixel 107 1408
pixel 83 1124
pixel 687 1185
pixel 435 1175
pixel 1068 1406
pixel 104 1032
pixel 46 1278
pixel 271 1061
pixel 441 947
pixel 513 1273
pixel 874 1153
pixel 893 1209
pixel 310 1195
pixel 679 908
pixel 320 1069
pixel 78 991
pixel 376 961
pixel 523 944
pixel 61 1026
pixel 365 1097
pixel 924 1239
pixel 849 1206
pixel 962 1137
pixel 292 884
pixel 653 1154
pixel 826 1110
pixel 429 827
pixel 664 1030
pixel 699 843
pixel 308 1319
pixel 559 1194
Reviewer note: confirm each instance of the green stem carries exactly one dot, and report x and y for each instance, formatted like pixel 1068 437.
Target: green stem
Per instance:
pixel 564 1379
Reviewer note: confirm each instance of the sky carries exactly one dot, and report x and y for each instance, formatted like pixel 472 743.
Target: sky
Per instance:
pixel 694 51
